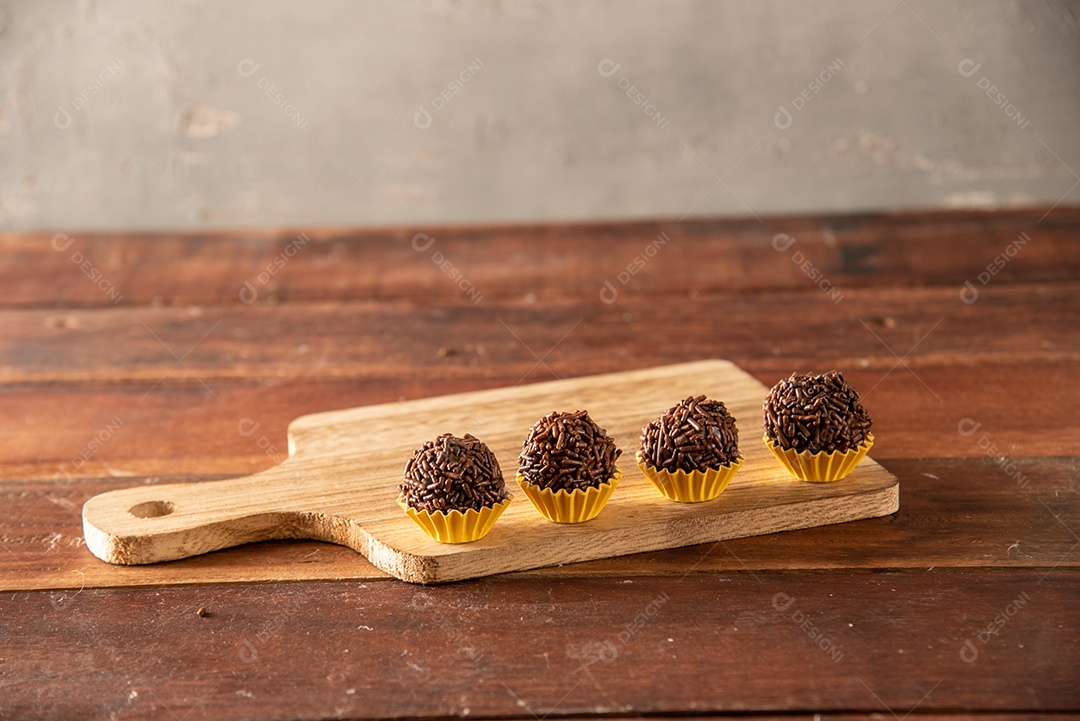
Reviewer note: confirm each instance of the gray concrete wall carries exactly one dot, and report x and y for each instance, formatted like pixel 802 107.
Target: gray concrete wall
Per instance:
pixel 197 113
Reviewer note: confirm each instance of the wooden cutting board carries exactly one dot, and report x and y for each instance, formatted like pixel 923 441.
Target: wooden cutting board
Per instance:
pixel 339 484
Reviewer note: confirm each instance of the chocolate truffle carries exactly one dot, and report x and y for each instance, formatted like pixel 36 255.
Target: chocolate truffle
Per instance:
pixel 815 413
pixel 451 473
pixel 695 435
pixel 567 452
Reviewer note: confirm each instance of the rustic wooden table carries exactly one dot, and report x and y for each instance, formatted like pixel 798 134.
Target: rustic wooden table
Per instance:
pixel 151 359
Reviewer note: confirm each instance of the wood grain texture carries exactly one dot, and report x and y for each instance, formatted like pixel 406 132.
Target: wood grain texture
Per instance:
pixel 543 262
pixel 340 482
pixel 952 373
pixel 359 317
pixel 728 642
pixel 956 513
pixel 180 429
pixel 868 329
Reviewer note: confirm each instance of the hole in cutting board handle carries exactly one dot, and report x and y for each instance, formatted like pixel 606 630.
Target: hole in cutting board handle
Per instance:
pixel 152 509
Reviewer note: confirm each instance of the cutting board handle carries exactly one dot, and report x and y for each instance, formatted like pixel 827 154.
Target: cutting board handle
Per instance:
pixel 148 524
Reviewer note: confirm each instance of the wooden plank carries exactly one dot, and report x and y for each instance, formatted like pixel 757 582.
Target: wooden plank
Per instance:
pixel 881 716
pixel 182 429
pixel 737 642
pixel 922 401
pixel 339 485
pixel 956 513
pixel 870 328
pixel 1011 373
pixel 876 716
pixel 547 262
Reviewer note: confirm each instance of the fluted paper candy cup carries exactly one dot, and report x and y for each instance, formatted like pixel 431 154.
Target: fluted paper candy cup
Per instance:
pixel 570 506
pixel 820 467
pixel 690 486
pixel 455 526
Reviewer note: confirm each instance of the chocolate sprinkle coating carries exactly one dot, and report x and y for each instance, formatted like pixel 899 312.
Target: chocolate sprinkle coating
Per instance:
pixel 816 413
pixel 695 435
pixel 568 452
pixel 451 473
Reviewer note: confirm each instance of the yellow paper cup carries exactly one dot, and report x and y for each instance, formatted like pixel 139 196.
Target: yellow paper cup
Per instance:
pixel 570 507
pixel 690 486
pixel 820 467
pixel 455 526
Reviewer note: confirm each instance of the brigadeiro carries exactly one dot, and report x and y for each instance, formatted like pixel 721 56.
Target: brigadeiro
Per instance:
pixel 816 426
pixel 452 474
pixel 691 451
pixel 693 435
pixel 567 467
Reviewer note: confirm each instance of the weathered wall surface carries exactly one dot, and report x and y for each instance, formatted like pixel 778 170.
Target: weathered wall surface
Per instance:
pixel 191 113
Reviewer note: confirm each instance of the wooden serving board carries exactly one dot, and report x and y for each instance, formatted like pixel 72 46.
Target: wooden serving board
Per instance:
pixel 339 484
